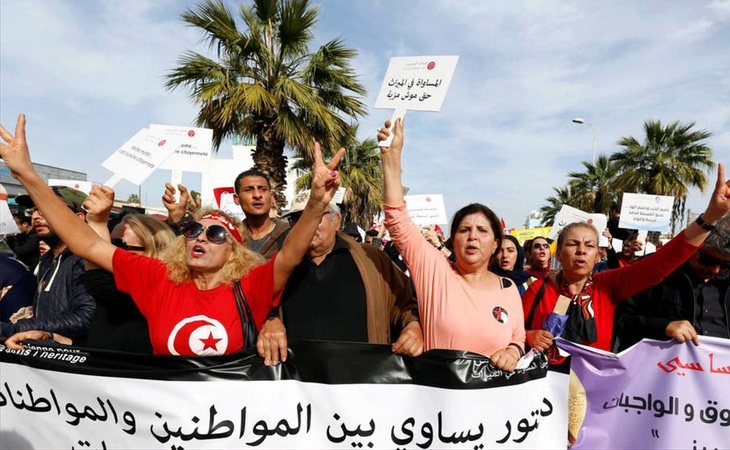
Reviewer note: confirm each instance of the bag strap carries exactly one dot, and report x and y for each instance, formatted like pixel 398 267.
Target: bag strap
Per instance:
pixel 535 302
pixel 247 323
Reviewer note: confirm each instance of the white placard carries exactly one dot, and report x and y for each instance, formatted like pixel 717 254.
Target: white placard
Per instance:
pixel 568 215
pixel 194 151
pixel 339 196
pixel 229 206
pixel 83 186
pixel 416 82
pixel 646 212
pixel 426 209
pixel 7 223
pixel 139 157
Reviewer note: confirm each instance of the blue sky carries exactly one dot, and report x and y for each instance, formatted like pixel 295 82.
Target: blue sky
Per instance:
pixel 89 74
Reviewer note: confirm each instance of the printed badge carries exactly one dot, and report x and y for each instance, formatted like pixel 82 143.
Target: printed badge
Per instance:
pixel 500 314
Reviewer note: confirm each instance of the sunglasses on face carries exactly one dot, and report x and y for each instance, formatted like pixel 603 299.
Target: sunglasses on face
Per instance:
pixel 123 245
pixel 539 245
pixel 709 261
pixel 214 233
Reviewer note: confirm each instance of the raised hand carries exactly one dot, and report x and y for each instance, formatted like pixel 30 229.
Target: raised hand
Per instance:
pixel 175 209
pixel 325 179
pixel 719 204
pixel 396 145
pixel 14 149
pixel 99 203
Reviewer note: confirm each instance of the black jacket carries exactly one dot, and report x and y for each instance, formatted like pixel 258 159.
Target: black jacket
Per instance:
pixel 647 314
pixel 63 305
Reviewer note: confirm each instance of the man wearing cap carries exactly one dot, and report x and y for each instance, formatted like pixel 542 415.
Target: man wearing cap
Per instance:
pixel 342 291
pixel 692 301
pixel 61 304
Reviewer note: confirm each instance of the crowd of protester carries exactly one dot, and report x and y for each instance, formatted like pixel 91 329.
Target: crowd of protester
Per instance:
pixel 138 284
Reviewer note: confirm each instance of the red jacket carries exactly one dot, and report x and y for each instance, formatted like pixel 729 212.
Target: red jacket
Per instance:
pixel 613 286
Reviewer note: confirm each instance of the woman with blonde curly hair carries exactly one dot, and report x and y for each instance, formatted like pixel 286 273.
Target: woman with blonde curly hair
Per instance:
pixel 242 261
pixel 196 312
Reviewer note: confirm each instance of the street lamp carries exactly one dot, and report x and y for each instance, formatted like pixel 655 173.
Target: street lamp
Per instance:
pixel 581 121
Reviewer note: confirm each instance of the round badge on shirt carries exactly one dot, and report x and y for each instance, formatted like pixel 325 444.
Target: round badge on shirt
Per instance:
pixel 500 314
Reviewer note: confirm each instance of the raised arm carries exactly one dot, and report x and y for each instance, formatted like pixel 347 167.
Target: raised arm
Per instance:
pixel 391 158
pixel 717 208
pixel 81 239
pixel 325 181
pixel 98 205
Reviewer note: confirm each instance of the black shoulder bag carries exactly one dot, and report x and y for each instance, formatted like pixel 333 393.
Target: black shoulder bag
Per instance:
pixel 247 323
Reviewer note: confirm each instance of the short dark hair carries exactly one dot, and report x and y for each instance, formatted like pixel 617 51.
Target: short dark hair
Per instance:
pixel 473 208
pixel 252 172
pixel 23 218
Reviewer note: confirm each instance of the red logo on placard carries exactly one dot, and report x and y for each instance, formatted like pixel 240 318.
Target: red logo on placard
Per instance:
pixel 428 199
pixel 589 221
pixel 76 185
pixel 161 143
pixel 191 133
pixel 431 65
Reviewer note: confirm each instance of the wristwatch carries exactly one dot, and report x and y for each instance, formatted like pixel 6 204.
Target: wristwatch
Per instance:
pixel 704 225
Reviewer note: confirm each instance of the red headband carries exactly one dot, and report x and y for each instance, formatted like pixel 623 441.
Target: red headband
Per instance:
pixel 227 224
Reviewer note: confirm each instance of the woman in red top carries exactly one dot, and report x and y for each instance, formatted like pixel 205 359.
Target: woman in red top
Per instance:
pixel 188 301
pixel 592 297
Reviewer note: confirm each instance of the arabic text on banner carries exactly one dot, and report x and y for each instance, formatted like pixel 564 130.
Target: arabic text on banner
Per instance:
pixel 332 396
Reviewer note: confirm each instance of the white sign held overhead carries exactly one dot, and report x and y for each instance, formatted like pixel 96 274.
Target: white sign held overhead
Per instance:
pixel 194 151
pixel 83 186
pixel 139 157
pixel 426 209
pixel 417 83
pixel 568 215
pixel 646 212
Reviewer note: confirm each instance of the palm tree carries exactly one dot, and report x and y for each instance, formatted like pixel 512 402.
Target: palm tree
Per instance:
pixel 564 196
pixel 361 174
pixel 671 159
pixel 266 83
pixel 594 189
pixel 133 198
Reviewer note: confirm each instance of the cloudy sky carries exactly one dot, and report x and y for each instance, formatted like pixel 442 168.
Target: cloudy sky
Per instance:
pixel 89 74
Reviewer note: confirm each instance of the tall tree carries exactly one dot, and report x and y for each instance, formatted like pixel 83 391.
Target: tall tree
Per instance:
pixel 361 174
pixel 669 161
pixel 595 188
pixel 563 196
pixel 266 83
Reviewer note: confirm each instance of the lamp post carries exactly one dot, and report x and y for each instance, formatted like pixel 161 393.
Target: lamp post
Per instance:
pixel 581 121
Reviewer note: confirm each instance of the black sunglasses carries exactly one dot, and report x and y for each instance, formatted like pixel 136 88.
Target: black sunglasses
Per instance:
pixel 709 261
pixel 214 233
pixel 123 245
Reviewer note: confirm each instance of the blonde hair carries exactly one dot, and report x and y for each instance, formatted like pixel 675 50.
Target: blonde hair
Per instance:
pixel 154 234
pixel 240 262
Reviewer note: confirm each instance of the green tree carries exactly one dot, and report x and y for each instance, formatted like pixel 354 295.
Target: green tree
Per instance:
pixel 266 83
pixel 563 196
pixel 361 174
pixel 595 188
pixel 669 161
pixel 133 198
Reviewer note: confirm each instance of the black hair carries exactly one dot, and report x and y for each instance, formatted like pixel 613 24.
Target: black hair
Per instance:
pixel 252 172
pixel 23 218
pixel 473 208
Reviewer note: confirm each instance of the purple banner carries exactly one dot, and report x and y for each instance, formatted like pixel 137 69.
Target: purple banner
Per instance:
pixel 654 395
